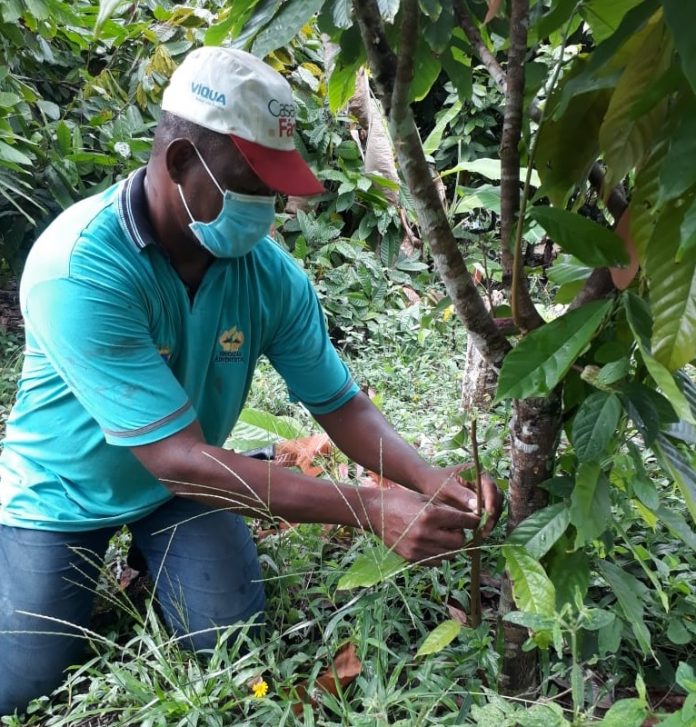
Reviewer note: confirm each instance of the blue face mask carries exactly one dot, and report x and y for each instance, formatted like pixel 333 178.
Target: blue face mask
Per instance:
pixel 242 223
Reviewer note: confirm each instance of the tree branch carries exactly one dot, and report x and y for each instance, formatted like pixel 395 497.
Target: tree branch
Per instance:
pixel 480 48
pixel 432 219
pixel 523 310
pixel 405 61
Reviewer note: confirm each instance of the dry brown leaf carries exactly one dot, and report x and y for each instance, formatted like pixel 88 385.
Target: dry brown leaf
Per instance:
pixel 345 668
pixel 375 480
pixel 493 7
pixel 301 452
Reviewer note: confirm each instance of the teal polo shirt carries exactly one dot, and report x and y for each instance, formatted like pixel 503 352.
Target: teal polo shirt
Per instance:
pixel 119 354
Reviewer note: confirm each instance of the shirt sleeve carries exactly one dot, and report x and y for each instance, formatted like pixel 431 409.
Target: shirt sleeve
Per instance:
pixel 302 353
pixel 98 341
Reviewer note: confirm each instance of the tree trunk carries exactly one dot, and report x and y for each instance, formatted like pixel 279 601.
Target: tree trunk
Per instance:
pixel 534 432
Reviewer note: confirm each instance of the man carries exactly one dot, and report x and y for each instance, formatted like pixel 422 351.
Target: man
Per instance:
pixel 146 309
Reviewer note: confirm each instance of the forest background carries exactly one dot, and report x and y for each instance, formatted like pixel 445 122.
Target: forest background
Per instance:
pixel 486 164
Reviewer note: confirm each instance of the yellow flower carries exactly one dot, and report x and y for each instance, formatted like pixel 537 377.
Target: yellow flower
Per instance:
pixel 260 688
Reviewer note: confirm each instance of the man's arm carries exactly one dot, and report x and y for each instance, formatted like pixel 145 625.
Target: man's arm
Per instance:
pixel 361 432
pixel 416 528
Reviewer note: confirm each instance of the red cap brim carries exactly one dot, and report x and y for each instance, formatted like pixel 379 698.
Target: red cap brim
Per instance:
pixel 283 171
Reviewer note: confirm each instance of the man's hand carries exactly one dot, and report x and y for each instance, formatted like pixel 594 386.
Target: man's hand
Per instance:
pixel 416 528
pixel 444 485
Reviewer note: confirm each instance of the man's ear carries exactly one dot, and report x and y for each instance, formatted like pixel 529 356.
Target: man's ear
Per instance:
pixel 178 157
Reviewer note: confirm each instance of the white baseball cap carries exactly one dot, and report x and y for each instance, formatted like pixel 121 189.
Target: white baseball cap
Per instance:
pixel 235 93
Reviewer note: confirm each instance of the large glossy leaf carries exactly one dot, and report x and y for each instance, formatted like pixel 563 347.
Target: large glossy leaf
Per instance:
pixel 680 16
pixel 625 139
pixel 640 321
pixel 107 8
pixel 439 637
pixel 631 594
pixel 531 587
pixel 537 364
pixel 648 410
pixel 293 15
pixel 595 424
pixel 426 70
pixel 672 292
pixel 682 469
pixel 678 172
pixel 540 531
pixel 605 17
pixel 590 507
pixel 642 208
pixel 589 242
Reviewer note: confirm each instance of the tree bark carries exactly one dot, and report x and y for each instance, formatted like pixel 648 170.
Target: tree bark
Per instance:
pixel 534 430
pixel 392 80
pixel 523 311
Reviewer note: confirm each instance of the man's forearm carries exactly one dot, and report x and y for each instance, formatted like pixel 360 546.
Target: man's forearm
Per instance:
pixel 360 431
pixel 260 489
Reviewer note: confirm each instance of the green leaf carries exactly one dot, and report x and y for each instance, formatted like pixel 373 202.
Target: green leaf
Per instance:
pixel 672 292
pixel 540 531
pixel 371 568
pixel 623 139
pixel 589 242
pixel 291 18
pixel 107 8
pixel 532 621
pixel 678 173
pixel 537 364
pixel 283 427
pixel 595 619
pixel 605 17
pixel 8 100
pixel 625 713
pixel 686 677
pixel 426 70
pixel 590 506
pixel 342 83
pixel 435 136
pixel 680 17
pixel 457 66
pixel 541 715
pixel 439 637
pixel 595 424
pixel 532 590
pixel 10 154
pixel 638 316
pixel 489 168
pixel 677 633
pixel 631 594
pixel 642 207
pixel 562 166
pixel 687 236
pixel 681 469
pixel 570 573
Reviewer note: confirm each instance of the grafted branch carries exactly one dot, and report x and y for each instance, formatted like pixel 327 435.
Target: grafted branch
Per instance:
pixel 392 83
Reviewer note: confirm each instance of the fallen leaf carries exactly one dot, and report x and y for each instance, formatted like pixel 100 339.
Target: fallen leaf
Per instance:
pixel 493 7
pixel 374 480
pixel 128 575
pixel 345 668
pixel 302 452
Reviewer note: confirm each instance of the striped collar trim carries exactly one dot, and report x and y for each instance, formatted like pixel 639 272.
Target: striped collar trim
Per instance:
pixel 132 209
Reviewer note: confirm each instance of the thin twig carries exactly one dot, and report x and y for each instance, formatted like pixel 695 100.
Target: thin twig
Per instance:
pixel 475 587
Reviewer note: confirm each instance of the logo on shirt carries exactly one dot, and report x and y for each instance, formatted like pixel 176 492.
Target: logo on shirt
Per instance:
pixel 230 342
pixel 165 352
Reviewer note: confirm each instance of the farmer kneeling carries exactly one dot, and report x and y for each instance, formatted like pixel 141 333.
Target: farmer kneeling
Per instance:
pixel 147 307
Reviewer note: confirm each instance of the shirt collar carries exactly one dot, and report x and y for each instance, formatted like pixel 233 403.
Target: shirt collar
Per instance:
pixel 132 207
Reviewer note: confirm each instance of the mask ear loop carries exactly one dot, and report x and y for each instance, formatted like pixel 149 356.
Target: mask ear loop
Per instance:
pixel 183 199
pixel 207 169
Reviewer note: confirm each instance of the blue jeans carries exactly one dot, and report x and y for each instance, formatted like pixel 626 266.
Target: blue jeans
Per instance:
pixel 206 570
